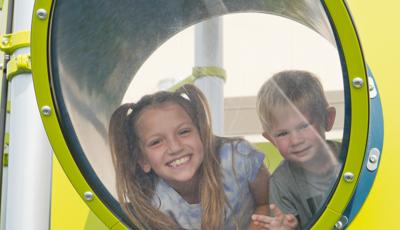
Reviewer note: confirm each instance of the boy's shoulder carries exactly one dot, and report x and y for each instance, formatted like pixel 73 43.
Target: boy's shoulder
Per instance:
pixel 282 171
pixel 334 145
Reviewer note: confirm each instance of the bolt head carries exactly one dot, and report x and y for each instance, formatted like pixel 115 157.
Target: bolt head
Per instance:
pixel 358 82
pixel 348 177
pixel 5 41
pixel 88 196
pixel 46 110
pixel 373 159
pixel 339 225
pixel 41 14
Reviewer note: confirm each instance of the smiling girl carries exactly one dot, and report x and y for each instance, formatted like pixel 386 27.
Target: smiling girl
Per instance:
pixel 173 173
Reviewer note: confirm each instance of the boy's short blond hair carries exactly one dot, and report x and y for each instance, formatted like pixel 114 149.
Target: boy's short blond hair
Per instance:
pixel 301 89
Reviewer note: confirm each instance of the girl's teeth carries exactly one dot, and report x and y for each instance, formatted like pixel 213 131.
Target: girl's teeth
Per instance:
pixel 178 162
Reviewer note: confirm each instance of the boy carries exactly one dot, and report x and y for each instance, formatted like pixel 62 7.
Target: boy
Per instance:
pixel 295 116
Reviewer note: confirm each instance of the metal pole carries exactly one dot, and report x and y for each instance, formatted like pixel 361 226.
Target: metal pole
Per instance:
pixel 3 114
pixel 30 157
pixel 208 52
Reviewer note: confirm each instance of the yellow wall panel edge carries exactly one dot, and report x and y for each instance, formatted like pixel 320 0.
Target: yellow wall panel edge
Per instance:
pixel 376 22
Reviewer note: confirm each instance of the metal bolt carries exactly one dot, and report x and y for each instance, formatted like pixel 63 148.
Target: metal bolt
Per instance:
pixel 339 225
pixel 371 86
pixel 348 177
pixel 5 41
pixel 358 82
pixel 46 110
pixel 373 159
pixel 342 222
pixel 41 14
pixel 88 196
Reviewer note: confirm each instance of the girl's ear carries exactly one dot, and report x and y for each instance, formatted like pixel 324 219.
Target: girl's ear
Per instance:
pixel 146 167
pixel 330 118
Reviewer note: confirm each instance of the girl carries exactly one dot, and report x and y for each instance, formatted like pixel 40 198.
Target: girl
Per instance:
pixel 173 173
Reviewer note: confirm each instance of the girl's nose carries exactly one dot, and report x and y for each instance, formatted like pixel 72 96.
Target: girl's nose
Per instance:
pixel 174 145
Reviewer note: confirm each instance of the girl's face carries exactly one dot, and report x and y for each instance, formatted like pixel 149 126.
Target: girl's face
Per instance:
pixel 170 143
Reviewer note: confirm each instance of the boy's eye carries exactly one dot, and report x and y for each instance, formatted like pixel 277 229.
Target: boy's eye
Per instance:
pixel 303 126
pixel 281 134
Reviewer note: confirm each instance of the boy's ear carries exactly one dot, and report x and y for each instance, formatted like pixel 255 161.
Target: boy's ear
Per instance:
pixel 146 167
pixel 268 137
pixel 330 118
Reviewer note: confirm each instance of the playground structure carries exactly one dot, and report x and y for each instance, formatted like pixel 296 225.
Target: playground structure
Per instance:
pixel 58 105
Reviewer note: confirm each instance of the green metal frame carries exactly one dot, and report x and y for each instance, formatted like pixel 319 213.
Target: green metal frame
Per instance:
pixel 359 114
pixel 39 53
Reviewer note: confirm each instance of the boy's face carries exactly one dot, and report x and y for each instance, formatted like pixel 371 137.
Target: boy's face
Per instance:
pixel 297 135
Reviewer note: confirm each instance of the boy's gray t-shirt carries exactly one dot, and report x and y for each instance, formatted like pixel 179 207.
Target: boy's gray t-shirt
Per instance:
pixel 238 168
pixel 300 192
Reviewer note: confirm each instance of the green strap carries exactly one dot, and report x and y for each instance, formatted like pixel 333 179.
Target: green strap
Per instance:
pixel 11 42
pixel 199 72
pixel 19 64
pixel 213 71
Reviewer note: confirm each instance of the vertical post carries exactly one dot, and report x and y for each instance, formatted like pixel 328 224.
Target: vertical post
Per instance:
pixel 30 154
pixel 208 52
pixel 6 20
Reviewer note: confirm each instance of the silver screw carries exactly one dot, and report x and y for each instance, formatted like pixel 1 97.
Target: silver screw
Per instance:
pixel 358 82
pixel 373 159
pixel 41 14
pixel 348 177
pixel 46 110
pixel 5 41
pixel 88 196
pixel 339 225
pixel 371 86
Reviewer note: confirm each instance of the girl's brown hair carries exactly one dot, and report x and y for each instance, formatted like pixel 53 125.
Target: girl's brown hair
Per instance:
pixel 136 188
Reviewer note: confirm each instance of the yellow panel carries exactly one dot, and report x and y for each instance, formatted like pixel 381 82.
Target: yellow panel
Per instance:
pixel 376 22
pixel 68 211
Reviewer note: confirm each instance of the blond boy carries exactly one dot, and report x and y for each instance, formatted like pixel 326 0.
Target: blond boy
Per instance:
pixel 295 115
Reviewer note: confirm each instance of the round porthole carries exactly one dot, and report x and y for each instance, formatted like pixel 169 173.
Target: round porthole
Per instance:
pixel 90 57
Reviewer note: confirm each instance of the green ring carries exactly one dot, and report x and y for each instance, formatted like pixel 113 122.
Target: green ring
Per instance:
pixel 39 54
pixel 359 121
pixel 354 61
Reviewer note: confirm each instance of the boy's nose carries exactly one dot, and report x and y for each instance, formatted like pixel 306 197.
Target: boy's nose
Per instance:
pixel 296 138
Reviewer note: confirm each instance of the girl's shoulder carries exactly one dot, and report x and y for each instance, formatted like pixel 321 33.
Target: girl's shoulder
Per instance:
pixel 236 146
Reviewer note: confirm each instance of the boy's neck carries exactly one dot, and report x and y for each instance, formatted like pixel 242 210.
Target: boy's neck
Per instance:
pixel 320 166
pixel 323 163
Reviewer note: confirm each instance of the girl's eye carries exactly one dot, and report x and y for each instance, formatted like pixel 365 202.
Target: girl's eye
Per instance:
pixel 185 131
pixel 153 143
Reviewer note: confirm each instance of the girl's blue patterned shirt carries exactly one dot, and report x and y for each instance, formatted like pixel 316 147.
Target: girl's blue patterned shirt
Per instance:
pixel 240 163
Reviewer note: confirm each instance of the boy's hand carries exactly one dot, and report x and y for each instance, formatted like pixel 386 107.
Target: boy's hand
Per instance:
pixel 280 221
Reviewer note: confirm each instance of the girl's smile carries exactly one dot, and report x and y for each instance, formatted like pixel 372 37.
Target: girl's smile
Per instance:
pixel 170 143
pixel 179 162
